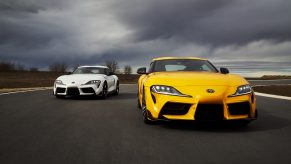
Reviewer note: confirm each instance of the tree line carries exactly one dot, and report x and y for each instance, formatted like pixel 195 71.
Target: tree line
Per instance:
pixel 63 67
pixel 10 66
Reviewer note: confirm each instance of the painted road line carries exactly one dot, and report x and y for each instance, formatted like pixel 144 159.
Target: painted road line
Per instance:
pixel 23 91
pixel 272 80
pixel 273 96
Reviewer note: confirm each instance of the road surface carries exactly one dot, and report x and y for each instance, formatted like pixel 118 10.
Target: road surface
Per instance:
pixel 37 128
pixel 271 82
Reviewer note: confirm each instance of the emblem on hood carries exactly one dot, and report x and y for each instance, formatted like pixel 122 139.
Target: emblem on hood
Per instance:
pixel 73 82
pixel 210 90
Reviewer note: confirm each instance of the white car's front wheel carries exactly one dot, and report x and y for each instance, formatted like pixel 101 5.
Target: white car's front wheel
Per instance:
pixel 104 92
pixel 116 92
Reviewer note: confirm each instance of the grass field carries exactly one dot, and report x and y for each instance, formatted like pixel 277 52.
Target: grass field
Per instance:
pixel 42 79
pixel 24 79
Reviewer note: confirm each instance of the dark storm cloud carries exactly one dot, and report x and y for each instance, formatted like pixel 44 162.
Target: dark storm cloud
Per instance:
pixel 19 6
pixel 41 32
pixel 218 22
pixel 21 27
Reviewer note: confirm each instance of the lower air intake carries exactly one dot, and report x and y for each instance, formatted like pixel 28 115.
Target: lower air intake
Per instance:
pixel 73 91
pixel 209 112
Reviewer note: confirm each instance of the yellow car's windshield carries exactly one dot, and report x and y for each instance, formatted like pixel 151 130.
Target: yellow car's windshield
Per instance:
pixel 182 65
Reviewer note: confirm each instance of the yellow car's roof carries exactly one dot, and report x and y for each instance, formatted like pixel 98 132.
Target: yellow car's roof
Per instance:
pixel 165 58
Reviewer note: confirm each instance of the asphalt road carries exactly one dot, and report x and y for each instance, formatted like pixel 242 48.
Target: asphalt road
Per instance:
pixel 270 82
pixel 37 128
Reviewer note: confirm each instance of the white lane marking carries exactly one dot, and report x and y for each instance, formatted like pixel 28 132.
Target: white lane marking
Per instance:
pixel 273 96
pixel 270 85
pixel 30 90
pixel 38 89
pixel 273 80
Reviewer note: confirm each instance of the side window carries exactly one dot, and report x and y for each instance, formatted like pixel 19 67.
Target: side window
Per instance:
pixel 105 71
pixel 151 69
pixel 205 68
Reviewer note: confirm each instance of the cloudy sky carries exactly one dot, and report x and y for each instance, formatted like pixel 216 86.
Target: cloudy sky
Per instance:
pixel 248 36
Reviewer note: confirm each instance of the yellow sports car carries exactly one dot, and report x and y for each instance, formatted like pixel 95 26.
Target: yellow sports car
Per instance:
pixel 188 88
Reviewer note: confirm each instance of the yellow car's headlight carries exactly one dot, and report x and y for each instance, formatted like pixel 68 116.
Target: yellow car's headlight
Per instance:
pixel 167 90
pixel 242 90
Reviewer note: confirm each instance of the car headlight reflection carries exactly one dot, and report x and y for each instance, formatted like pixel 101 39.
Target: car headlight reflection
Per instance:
pixel 97 82
pixel 59 82
pixel 242 90
pixel 167 90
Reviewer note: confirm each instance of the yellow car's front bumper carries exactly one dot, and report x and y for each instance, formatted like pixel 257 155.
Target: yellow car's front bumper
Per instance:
pixel 200 105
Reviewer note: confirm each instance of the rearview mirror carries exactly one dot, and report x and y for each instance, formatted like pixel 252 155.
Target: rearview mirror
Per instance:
pixel 142 70
pixel 224 70
pixel 111 73
pixel 69 73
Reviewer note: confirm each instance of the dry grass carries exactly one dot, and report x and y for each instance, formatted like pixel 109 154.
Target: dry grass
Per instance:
pixel 271 77
pixel 27 79
pixel 282 90
pixel 23 79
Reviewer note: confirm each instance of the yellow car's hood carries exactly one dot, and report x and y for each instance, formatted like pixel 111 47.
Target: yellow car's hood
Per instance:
pixel 194 78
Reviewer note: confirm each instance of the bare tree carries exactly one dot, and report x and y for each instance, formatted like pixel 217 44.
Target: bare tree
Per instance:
pixel 33 69
pixel 112 65
pixel 75 66
pixel 127 69
pixel 58 67
pixel 20 67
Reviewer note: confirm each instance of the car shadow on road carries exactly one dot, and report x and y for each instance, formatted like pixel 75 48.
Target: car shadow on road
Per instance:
pixel 265 122
pixel 126 95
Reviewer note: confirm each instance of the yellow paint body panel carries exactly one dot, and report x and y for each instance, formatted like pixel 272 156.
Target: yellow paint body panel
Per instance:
pixel 194 84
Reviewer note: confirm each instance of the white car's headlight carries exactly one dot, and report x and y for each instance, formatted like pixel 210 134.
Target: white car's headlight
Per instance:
pixel 59 82
pixel 167 90
pixel 242 90
pixel 97 82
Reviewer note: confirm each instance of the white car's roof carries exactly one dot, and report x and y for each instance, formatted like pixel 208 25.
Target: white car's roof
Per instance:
pixel 98 66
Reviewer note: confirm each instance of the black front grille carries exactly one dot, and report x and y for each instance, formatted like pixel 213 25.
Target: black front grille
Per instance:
pixel 73 91
pixel 88 90
pixel 241 108
pixel 171 108
pixel 61 90
pixel 209 112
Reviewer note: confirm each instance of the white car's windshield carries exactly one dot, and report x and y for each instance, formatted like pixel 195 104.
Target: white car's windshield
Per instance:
pixel 90 70
pixel 182 65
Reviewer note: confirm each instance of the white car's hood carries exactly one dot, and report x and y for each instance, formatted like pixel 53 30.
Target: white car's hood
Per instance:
pixel 78 79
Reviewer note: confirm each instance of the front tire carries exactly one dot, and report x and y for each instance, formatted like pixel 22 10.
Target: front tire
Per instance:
pixel 116 92
pixel 145 117
pixel 104 91
pixel 138 101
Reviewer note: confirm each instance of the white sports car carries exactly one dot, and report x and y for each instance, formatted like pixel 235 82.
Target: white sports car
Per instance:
pixel 87 80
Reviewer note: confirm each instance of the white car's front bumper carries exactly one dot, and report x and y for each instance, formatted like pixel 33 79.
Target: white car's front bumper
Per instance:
pixel 74 90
